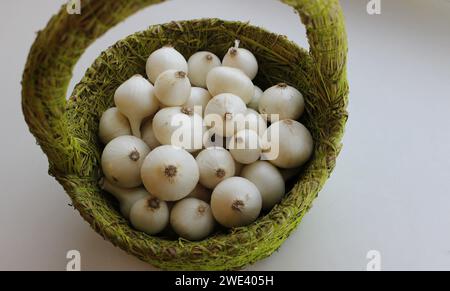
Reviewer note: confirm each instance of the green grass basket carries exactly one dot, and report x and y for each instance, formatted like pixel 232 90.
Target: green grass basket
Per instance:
pixel 67 130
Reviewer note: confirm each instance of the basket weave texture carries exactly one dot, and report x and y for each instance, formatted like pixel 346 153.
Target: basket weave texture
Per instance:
pixel 67 130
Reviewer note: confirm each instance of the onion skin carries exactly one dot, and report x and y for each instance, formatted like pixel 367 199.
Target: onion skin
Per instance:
pixel 243 60
pixel 230 80
pixel 215 165
pixel 254 103
pixel 136 100
pixel 268 180
pixel 192 219
pixel 199 99
pixel 201 193
pixel 172 123
pixel 150 215
pixel 148 136
pixel 245 147
pixel 164 59
pixel 122 159
pixel 282 100
pixel 173 88
pixel 170 173
pixel 126 197
pixel 113 124
pixel 236 202
pixel 294 142
pixel 200 64
pixel 228 109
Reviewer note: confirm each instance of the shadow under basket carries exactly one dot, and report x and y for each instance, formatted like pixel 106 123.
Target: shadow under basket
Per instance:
pixel 67 131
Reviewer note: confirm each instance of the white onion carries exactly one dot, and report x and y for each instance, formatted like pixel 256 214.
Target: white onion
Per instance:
pixel 254 103
pixel 172 88
pixel 268 180
pixel 242 59
pixel 223 112
pixel 122 159
pixel 113 124
pixel 192 219
pixel 179 126
pixel 215 165
pixel 200 64
pixel 245 147
pixel 253 121
pixel 291 144
pixel 164 59
pixel 201 193
pixel 170 173
pixel 126 197
pixel 230 80
pixel 236 202
pixel 283 100
pixel 150 215
pixel 211 140
pixel 136 100
pixel 199 99
pixel 148 136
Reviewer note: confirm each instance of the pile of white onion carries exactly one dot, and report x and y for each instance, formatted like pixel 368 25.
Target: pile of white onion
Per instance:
pixel 177 153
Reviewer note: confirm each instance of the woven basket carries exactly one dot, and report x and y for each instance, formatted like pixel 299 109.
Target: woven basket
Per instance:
pixel 67 131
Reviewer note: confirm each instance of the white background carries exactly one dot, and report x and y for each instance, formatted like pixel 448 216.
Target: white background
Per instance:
pixel 391 188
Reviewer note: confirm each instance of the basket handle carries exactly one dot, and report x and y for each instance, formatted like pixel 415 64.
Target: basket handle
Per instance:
pixel 58 47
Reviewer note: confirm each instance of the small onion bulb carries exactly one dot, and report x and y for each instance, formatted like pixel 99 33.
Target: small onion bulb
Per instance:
pixel 236 202
pixel 126 197
pixel 201 193
pixel 254 103
pixel 293 142
pixel 135 99
pixel 245 147
pixel 211 140
pixel 268 180
pixel 150 215
pixel 224 110
pixel 122 159
pixel 253 121
pixel 170 173
pixel 179 126
pixel 148 136
pixel 200 64
pixel 283 100
pixel 198 100
pixel 215 165
pixel 192 219
pixel 173 88
pixel 242 59
pixel 164 59
pixel 230 80
pixel 113 124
